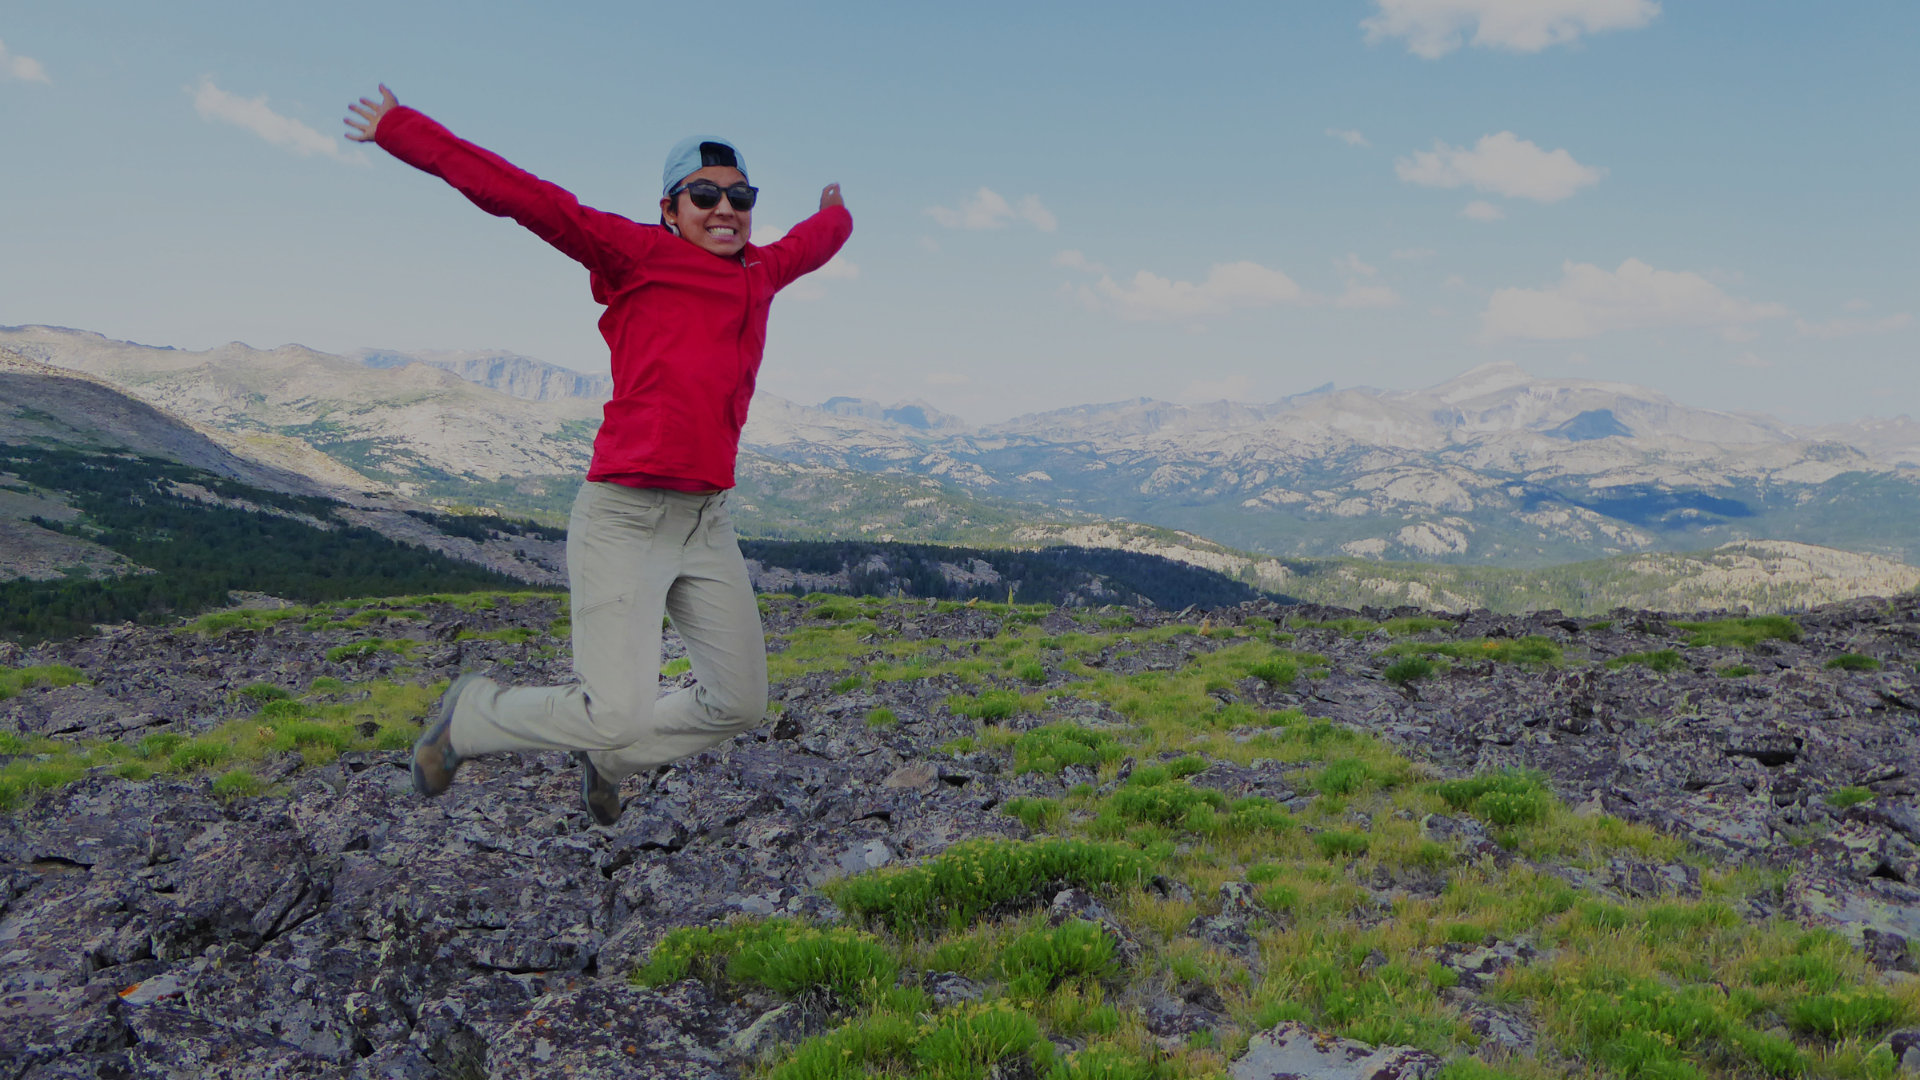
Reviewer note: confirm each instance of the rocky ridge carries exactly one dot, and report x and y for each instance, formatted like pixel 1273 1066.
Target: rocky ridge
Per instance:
pixel 333 924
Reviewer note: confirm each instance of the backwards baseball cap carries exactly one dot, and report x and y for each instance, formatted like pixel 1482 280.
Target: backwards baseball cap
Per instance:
pixel 696 152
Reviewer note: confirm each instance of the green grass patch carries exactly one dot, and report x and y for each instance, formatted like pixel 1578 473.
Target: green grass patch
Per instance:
pixel 969 878
pixel 1504 799
pixel 1276 672
pixel 785 957
pixel 1853 662
pixel 1040 815
pixel 1341 843
pixel 1535 651
pixel 1743 633
pixel 1036 962
pixel 1054 747
pixel 1408 669
pixel 882 717
pixel 238 784
pixel 1844 797
pixel 512 635
pixel 1735 671
pixel 988 707
pixel 357 650
pixel 14 680
pixel 1416 624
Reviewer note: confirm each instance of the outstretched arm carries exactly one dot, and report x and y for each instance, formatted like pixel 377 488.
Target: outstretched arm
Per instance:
pixel 605 243
pixel 808 245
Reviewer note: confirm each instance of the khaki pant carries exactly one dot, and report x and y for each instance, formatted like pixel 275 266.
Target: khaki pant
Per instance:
pixel 632 555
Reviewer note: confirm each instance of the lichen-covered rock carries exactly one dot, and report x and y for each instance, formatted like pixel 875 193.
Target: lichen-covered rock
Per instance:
pixel 1293 1051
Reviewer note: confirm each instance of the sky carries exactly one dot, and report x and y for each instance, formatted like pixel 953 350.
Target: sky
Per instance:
pixel 1054 204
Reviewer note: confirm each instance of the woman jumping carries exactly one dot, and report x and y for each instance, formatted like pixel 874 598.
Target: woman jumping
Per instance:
pixel 686 321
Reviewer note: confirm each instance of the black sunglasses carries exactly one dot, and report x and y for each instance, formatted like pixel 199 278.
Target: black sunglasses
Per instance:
pixel 705 194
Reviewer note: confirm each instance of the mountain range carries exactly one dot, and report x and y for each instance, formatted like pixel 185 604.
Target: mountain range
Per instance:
pixel 1494 469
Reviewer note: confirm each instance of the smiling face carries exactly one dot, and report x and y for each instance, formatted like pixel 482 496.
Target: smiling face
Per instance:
pixel 721 230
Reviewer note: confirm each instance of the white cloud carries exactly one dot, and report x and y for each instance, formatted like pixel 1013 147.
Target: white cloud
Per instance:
pixel 1367 296
pixel 1748 360
pixel 24 68
pixel 838 268
pixel 1434 28
pixel 1352 265
pixel 1482 211
pixel 946 378
pixel 1504 164
pixel 1351 138
pixel 213 103
pixel 1231 388
pixel 1076 261
pixel 930 244
pixel 988 209
pixel 1589 301
pixel 1228 286
pixel 1414 253
pixel 1850 327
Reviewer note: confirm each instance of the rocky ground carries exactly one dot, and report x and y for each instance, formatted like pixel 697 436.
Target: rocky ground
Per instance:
pixel 215 865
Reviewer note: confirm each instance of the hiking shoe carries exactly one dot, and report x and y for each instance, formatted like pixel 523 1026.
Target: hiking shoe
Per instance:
pixel 600 796
pixel 434 761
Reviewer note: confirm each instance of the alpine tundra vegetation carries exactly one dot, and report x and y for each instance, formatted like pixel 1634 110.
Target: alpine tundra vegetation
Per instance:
pixel 978 840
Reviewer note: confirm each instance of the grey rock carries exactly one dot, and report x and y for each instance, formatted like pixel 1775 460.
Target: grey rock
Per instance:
pixel 1292 1051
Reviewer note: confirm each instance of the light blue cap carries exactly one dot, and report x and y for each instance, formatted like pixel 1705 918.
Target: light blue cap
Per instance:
pixel 696 152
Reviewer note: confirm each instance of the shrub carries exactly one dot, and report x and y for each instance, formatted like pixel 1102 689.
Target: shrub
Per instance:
pixel 1662 661
pixel 956 886
pixel 1854 662
pixel 1054 747
pixel 989 707
pixel 1339 843
pixel 1409 669
pixel 265 692
pixel 1275 672
pixel 1507 798
pixel 1740 633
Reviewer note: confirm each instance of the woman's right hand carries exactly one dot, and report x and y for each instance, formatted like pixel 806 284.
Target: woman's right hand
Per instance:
pixel 370 113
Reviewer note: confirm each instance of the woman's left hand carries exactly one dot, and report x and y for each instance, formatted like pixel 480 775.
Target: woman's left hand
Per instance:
pixel 830 196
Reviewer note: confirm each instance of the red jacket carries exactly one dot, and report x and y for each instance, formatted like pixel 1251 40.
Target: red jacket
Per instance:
pixel 686 326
